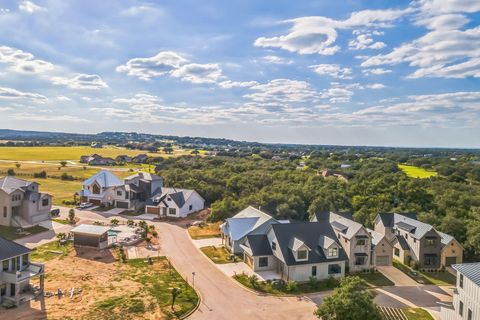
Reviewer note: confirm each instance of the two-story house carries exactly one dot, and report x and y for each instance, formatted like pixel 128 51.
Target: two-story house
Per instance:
pixel 296 251
pixel 417 241
pixel 136 189
pixel 466 297
pixel 100 188
pixel 353 236
pixel 21 203
pixel 16 273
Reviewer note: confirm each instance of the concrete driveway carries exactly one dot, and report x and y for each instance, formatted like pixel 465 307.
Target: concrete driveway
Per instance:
pixel 397 276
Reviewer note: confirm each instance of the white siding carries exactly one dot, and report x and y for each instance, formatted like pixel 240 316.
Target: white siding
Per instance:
pixel 304 272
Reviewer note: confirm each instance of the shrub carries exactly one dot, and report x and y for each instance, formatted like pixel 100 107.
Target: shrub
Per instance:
pixel 66 177
pixel 10 172
pixel 313 281
pixel 414 265
pixel 331 282
pixel 291 286
pixel 130 223
pixel 114 222
pixel 253 280
pixel 41 174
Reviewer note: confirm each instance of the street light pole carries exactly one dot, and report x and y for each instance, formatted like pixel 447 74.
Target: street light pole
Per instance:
pixel 193 280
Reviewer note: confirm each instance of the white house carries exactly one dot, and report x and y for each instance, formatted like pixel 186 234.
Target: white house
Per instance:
pixel 174 202
pixel 99 189
pixel 466 296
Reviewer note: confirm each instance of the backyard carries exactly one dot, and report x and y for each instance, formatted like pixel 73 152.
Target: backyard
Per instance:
pixel 416 172
pixel 106 288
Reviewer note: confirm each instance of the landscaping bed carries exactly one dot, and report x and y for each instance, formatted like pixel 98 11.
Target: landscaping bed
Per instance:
pixel 285 288
pixel 10 233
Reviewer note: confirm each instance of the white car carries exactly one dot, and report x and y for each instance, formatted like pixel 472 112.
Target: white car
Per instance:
pixel 85 205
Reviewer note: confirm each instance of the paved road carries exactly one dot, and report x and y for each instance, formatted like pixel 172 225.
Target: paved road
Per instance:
pixel 221 297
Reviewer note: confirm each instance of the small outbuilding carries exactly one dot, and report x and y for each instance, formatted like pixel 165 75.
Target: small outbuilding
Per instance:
pixel 91 236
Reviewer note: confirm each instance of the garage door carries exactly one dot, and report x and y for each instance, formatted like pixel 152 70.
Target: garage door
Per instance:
pixel 450 260
pixel 153 210
pixel 96 202
pixel 122 204
pixel 383 261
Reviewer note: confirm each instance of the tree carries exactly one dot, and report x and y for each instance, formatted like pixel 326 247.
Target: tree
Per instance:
pixel 71 215
pixel 168 150
pixel 114 222
pixel 350 301
pixel 63 163
pixel 195 152
pixel 175 293
pixel 18 165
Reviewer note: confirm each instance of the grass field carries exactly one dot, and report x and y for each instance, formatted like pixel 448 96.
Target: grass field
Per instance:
pixel 217 254
pixel 376 279
pixel 416 172
pixel 72 153
pixel 211 230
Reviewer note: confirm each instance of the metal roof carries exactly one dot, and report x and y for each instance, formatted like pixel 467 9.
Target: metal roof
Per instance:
pixel 469 270
pixel 10 249
pixel 90 229
pixel 405 226
pixel 10 184
pixel 340 227
pixel 105 179
pixel 259 245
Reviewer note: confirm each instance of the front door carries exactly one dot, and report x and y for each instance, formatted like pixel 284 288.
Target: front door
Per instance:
pixel 12 289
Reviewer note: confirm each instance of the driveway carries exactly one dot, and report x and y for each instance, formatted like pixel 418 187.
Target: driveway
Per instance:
pixel 397 276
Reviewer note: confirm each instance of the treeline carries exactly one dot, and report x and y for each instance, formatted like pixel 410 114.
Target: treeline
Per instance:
pixel 375 185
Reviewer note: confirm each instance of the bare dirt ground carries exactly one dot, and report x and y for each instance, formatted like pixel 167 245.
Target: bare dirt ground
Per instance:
pixel 98 275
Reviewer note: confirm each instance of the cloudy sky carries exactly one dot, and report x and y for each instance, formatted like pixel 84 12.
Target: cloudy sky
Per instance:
pixel 347 72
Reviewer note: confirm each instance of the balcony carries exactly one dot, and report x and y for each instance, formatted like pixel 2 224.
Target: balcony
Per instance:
pixel 32 270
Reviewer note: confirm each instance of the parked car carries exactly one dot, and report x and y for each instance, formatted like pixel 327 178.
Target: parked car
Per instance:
pixel 55 212
pixel 85 205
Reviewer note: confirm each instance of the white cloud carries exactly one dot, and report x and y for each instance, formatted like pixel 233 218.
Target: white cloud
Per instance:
pixel 283 91
pixel 4 10
pixel 63 98
pixel 146 68
pixel 30 7
pixel 365 41
pixel 376 71
pixel 81 81
pixel 451 6
pixel 228 84
pixel 13 94
pixel 375 86
pixel 333 70
pixel 276 60
pixel 198 73
pixel 316 34
pixel 23 62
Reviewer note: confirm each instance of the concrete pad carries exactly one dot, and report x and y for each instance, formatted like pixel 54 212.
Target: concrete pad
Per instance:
pixel 146 216
pixel 216 242
pixel 397 276
pixel 114 211
pixel 231 269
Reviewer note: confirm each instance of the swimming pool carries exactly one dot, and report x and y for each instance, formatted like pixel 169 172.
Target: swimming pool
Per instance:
pixel 113 233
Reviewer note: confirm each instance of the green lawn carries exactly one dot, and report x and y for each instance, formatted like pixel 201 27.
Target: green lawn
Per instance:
pixel 417 314
pixel 286 288
pixel 416 172
pixel 440 278
pixel 217 254
pixel 375 279
pixel 62 221
pixel 211 230
pixel 10 233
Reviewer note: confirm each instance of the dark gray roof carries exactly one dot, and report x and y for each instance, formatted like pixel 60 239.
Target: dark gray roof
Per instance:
pixel 10 249
pixel 340 227
pixel 325 215
pixel 405 226
pixel 309 233
pixel 403 243
pixel 178 198
pixel 469 270
pixel 387 219
pixel 259 245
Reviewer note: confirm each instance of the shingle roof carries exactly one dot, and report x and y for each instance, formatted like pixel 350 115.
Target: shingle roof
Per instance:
pixel 178 198
pixel 387 219
pixel 340 219
pixel 259 245
pixel 105 179
pixel 469 270
pixel 10 249
pixel 296 244
pixel 402 242
pixel 90 229
pixel 405 226
pixel 340 227
pixel 309 233
pixel 10 184
pixel 144 176
pixel 445 238
pixel 376 236
pixel 420 228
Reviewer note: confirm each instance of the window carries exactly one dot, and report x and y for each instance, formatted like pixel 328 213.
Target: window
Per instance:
pixel 406 236
pixel 119 193
pixel 302 255
pixel 5 265
pixel 45 202
pixel 461 281
pixel 359 261
pixel 164 211
pixel 469 315
pixel 414 240
pixel 314 271
pixel 332 252
pixel 274 246
pixel 397 252
pixel 460 309
pixel 172 211
pixel 334 269
pixel 361 242
pixel 430 242
pixel 4 212
pixel 190 207
pixel 263 262
pixel 430 259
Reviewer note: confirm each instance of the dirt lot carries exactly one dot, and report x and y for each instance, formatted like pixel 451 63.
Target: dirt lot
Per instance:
pixel 110 289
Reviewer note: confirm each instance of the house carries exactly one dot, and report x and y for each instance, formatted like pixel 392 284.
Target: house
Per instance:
pixel 141 158
pixel 16 273
pixel 84 159
pixel 97 160
pixel 174 202
pixel 332 173
pixel 296 251
pixel 135 190
pixel 353 237
pixel 90 236
pixel 382 250
pixel 416 241
pixel 21 203
pixel 123 158
pixel 466 296
pixel 99 189
pixel 96 145
pixel 249 221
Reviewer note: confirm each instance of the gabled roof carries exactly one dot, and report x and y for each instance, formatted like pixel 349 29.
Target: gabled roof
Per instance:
pixel 418 229
pixel 345 225
pixel 10 184
pixel 339 227
pixel 144 176
pixel 445 238
pixel 386 218
pixel 325 242
pixel 469 270
pixel 296 244
pixel 259 245
pixel 376 236
pixel 179 196
pixel 245 222
pixel 10 249
pixel 310 233
pixel 105 179
pixel 402 242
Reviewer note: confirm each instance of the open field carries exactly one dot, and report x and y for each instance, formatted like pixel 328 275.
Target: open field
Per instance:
pixel 416 172
pixel 72 153
pixel 110 289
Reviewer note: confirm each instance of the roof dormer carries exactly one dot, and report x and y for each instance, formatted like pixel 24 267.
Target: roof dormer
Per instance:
pixel 329 247
pixel 299 249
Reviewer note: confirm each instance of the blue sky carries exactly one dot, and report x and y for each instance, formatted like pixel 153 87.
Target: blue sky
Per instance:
pixel 395 73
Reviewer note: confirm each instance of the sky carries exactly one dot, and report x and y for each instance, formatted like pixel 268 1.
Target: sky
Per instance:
pixel 350 72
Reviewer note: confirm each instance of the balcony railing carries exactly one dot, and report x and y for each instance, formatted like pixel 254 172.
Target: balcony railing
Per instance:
pixel 32 270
